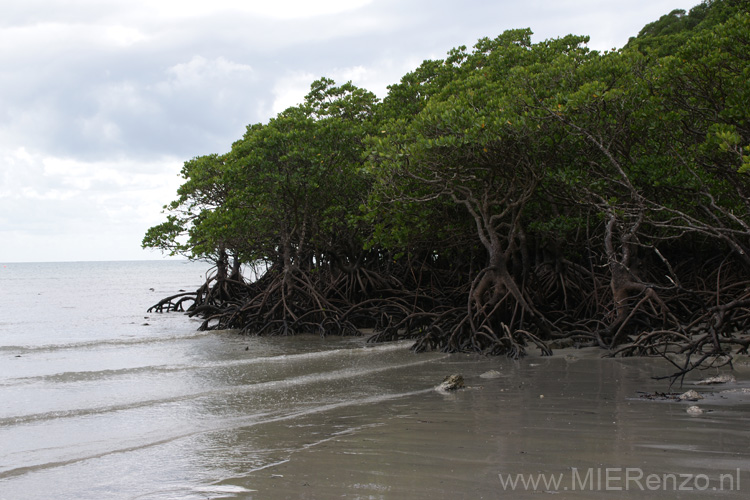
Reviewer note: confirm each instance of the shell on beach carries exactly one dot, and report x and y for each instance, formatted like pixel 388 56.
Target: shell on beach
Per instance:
pixel 491 374
pixel 695 410
pixel 690 395
pixel 719 379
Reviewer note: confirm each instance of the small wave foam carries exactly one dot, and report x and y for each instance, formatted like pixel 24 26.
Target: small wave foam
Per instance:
pixel 270 386
pixel 94 375
pixel 93 344
pixel 221 425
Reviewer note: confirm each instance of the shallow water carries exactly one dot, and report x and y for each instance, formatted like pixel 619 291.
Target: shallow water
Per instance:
pixel 459 445
pixel 97 404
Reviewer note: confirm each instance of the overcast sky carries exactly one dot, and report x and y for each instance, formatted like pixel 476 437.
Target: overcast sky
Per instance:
pixel 101 101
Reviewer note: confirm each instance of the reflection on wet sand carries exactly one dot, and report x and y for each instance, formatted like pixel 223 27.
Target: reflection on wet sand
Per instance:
pixel 574 423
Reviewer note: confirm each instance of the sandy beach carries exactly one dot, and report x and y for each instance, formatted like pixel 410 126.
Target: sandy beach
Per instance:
pixel 575 423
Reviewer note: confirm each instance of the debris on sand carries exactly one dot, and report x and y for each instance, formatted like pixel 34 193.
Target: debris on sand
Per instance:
pixel 451 383
pixel 695 410
pixel 659 396
pixel 719 379
pixel 743 390
pixel 690 395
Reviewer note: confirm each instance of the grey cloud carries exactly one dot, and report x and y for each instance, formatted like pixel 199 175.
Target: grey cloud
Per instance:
pixel 80 97
pixel 113 85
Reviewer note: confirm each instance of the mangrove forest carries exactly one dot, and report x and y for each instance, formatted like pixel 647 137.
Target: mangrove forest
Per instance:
pixel 515 195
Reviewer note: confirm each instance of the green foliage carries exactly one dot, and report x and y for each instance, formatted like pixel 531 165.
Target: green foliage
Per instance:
pixel 476 141
pixel 527 143
pixel 292 183
pixel 197 221
pixel 666 35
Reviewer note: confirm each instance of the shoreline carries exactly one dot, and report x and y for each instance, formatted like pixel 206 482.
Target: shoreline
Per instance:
pixel 573 411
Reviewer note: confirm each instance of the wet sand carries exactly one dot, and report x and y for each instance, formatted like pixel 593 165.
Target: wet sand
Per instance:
pixel 568 418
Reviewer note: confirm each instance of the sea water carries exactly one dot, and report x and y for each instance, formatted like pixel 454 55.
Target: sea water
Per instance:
pixel 101 400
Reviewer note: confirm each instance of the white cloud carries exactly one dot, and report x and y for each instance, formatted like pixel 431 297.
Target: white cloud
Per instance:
pixel 100 129
pixel 45 198
pixel 200 71
pixel 52 40
pixel 378 75
pixel 278 9
pixel 124 36
pixel 291 91
pixel 160 11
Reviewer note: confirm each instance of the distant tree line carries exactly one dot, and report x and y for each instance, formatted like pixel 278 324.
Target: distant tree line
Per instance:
pixel 510 195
